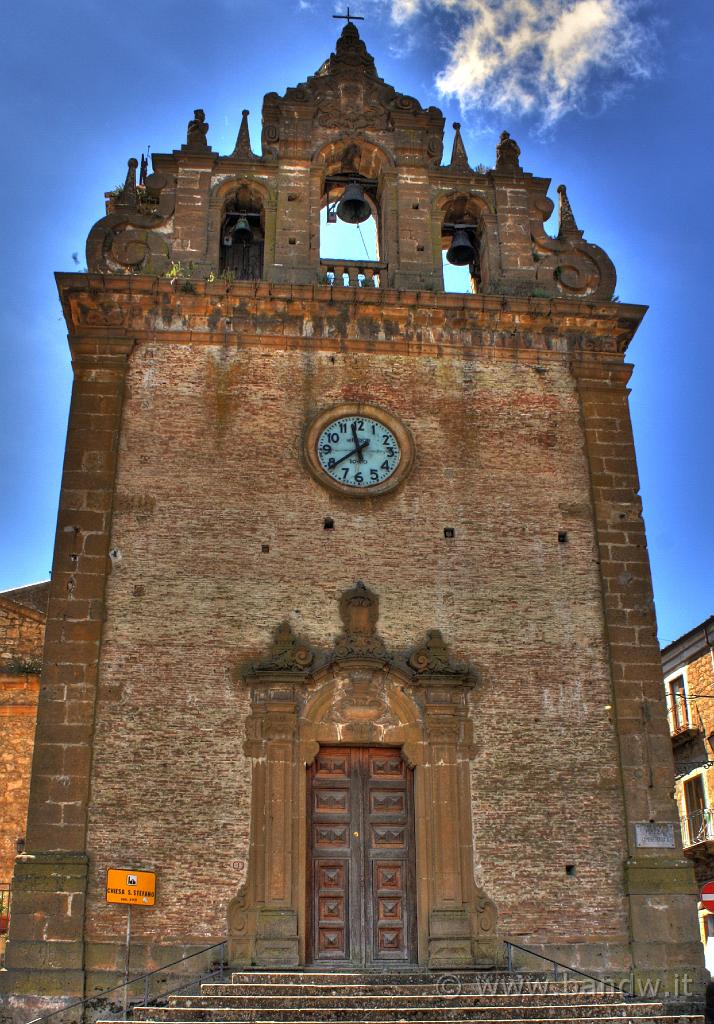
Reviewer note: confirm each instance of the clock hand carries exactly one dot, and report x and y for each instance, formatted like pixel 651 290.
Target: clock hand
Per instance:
pixel 357 451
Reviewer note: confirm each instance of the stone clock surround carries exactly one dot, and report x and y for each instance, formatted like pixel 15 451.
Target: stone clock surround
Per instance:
pixel 359 694
pixel 398 429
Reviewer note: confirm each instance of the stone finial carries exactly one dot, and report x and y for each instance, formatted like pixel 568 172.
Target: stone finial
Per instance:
pixel 128 198
pixel 507 154
pixel 196 133
pixel 351 49
pixel 433 656
pixel 350 54
pixel 242 149
pixel 567 226
pixel 359 611
pixel 287 653
pixel 459 159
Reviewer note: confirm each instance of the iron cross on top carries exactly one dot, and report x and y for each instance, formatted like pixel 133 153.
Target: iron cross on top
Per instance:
pixel 348 17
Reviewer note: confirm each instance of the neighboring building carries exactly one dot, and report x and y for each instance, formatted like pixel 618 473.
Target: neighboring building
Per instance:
pixel 351 635
pixel 688 667
pixel 22 634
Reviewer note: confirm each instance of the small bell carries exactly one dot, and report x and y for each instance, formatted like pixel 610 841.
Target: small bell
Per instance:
pixel 353 208
pixel 228 239
pixel 461 251
pixel 242 232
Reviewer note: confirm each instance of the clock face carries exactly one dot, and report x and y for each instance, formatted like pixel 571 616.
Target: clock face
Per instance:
pixel 358 451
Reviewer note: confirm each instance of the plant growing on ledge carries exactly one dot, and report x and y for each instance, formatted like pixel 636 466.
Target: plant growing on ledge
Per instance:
pixel 177 270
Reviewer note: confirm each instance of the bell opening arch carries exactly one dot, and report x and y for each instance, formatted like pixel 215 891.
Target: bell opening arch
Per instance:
pixel 461 229
pixel 350 177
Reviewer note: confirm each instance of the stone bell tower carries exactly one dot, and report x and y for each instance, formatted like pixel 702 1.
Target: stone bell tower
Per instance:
pixel 351 636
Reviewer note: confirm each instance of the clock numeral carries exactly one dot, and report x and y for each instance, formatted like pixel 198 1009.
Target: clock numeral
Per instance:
pixel 385 464
pixel 330 463
pixel 343 427
pixel 334 438
pixel 360 424
pixel 345 472
pixel 374 475
pixel 325 449
pixel 390 451
pixel 359 479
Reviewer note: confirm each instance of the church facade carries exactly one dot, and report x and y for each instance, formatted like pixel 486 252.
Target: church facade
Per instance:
pixel 351 636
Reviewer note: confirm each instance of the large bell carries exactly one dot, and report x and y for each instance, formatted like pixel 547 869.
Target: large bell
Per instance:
pixel 461 251
pixel 242 232
pixel 353 208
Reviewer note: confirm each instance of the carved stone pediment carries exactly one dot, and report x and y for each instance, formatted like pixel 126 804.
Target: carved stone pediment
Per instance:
pixel 358 654
pixel 434 657
pixel 346 95
pixel 286 653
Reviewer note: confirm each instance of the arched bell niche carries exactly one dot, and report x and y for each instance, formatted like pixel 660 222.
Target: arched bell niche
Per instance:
pixel 237 229
pixel 462 226
pixel 242 236
pixel 352 254
pixel 359 695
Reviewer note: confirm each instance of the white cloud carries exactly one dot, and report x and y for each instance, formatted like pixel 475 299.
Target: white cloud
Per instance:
pixel 404 9
pixel 540 57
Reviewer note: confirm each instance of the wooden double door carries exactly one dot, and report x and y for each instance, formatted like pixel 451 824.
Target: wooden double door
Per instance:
pixel 361 874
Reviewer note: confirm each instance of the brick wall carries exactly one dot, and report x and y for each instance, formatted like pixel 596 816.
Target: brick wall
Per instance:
pixel 210 470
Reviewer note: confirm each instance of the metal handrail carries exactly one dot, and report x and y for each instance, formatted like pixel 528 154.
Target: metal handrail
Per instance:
pixel 510 946
pixel 145 978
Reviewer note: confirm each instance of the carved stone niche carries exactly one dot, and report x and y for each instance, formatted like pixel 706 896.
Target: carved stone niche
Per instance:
pixel 359 694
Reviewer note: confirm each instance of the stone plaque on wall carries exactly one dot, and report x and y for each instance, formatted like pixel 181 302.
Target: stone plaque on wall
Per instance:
pixel 652 833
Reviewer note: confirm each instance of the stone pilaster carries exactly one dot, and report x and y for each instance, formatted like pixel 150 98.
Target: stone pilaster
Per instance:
pixel 263 920
pixel 659 883
pixel 461 921
pixel 45 951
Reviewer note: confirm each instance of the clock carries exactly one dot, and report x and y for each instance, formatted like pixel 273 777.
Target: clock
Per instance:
pixel 358 449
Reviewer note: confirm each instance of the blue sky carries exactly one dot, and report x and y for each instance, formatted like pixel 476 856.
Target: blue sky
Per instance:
pixel 611 97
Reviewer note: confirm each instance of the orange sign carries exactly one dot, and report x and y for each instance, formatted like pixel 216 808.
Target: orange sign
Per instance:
pixel 133 887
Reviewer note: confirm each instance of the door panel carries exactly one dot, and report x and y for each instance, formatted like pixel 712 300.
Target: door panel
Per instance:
pixel 362 865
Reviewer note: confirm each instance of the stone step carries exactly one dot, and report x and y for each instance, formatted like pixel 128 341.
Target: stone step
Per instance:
pixel 688 1018
pixel 396 1011
pixel 446 986
pixel 234 995
pixel 378 979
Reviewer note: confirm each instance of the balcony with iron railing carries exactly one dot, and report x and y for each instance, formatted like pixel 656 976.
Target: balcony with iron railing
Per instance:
pixel 697 827
pixel 685 722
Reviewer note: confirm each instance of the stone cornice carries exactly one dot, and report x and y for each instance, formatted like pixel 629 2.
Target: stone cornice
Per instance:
pixel 388 321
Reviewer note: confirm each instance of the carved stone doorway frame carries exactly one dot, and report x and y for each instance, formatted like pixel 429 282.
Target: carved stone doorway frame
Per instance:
pixel 360 696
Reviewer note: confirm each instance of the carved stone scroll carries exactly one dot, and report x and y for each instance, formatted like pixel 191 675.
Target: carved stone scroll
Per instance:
pixel 129 239
pixel 568 266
